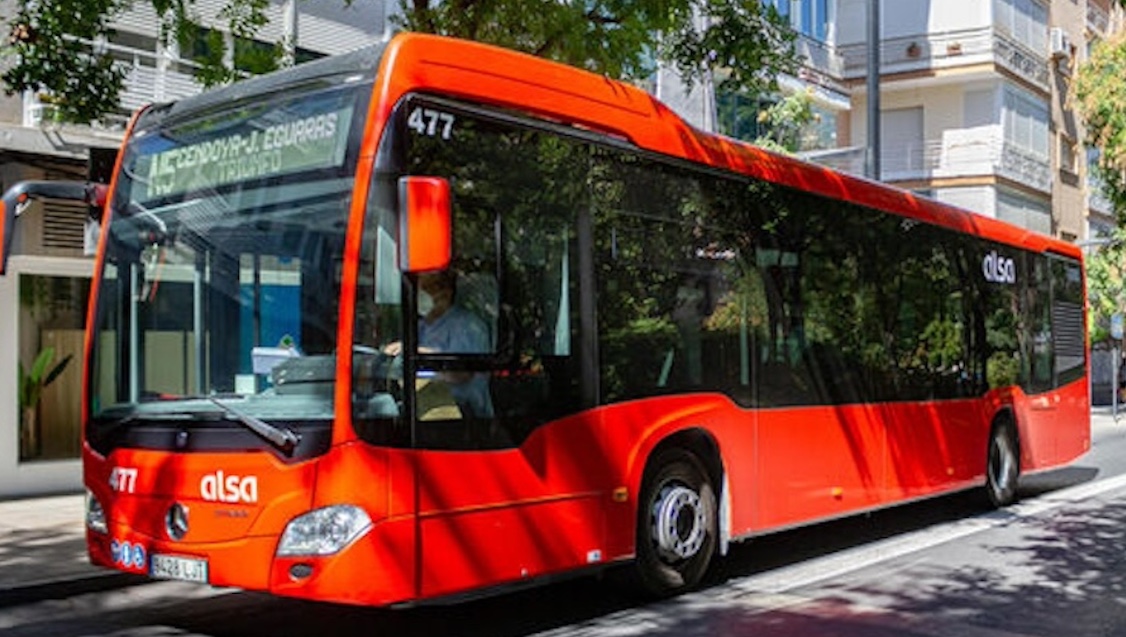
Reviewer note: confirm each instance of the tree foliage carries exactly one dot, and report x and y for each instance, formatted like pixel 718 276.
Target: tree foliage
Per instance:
pixel 1100 97
pixel 56 51
pixel 786 124
pixel 743 42
pixel 1106 286
pixel 52 43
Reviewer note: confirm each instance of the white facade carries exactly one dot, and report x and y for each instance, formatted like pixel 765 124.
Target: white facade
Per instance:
pixel 49 271
pixel 973 102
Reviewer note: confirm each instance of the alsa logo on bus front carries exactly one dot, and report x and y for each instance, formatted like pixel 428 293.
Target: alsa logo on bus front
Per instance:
pixel 998 269
pixel 218 487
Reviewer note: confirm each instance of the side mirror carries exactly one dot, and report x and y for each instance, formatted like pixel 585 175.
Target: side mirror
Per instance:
pixel 425 229
pixel 19 196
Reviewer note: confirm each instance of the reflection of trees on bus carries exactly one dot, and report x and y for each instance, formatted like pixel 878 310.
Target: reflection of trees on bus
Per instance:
pixel 710 282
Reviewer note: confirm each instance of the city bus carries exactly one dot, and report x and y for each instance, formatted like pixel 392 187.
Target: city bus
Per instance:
pixel 666 341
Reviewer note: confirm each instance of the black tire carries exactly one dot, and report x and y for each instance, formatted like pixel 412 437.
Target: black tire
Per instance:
pixel 1002 468
pixel 676 525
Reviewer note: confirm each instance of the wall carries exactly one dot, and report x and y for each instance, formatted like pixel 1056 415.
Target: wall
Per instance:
pixel 900 18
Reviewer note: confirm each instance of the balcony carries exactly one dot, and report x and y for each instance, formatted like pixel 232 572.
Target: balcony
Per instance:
pixel 1098 19
pixel 149 78
pixel 973 152
pixel 822 63
pixel 949 50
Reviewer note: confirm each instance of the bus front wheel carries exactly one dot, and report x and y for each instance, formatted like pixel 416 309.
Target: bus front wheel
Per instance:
pixel 1002 469
pixel 676 535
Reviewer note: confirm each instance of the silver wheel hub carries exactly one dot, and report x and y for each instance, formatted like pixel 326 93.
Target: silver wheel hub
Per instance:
pixel 679 525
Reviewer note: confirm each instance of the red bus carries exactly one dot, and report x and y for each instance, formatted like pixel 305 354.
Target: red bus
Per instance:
pixel 434 319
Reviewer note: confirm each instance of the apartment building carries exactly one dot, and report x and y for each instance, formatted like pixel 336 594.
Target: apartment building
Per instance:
pixel 973 101
pixel 43 296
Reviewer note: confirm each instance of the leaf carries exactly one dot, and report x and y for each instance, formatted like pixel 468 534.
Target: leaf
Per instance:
pixel 56 370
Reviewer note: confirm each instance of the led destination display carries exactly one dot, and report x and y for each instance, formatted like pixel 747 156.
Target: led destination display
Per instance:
pixel 308 142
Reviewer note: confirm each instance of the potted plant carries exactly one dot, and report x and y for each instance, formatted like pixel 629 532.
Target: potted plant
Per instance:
pixel 43 372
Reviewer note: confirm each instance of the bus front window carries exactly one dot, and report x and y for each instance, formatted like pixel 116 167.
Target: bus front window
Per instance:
pixel 222 275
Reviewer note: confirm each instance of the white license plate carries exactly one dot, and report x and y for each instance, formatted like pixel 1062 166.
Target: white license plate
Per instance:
pixel 181 568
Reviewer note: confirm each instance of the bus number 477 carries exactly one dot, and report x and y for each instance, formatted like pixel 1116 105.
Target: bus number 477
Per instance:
pixel 429 122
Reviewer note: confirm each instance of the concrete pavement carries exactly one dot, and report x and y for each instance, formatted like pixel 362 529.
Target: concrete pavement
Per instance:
pixel 43 544
pixel 43 552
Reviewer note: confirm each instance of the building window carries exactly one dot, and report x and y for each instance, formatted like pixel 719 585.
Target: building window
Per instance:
pixel 52 317
pixel 1024 211
pixel 808 17
pixel 1026 21
pixel 901 141
pixel 1026 122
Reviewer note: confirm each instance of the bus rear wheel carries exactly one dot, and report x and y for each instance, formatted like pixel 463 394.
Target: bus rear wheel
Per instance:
pixel 676 534
pixel 1002 470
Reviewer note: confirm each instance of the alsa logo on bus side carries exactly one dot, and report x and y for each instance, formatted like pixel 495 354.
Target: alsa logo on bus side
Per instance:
pixel 998 269
pixel 218 487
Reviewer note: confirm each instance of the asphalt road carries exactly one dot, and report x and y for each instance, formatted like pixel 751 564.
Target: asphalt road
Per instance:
pixel 1055 564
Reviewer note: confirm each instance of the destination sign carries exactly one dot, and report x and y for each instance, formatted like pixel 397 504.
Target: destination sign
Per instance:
pixel 311 142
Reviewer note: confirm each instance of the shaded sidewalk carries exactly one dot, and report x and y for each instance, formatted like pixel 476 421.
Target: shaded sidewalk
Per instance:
pixel 43 552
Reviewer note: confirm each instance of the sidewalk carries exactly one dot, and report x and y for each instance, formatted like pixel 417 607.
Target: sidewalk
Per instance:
pixel 43 552
pixel 43 542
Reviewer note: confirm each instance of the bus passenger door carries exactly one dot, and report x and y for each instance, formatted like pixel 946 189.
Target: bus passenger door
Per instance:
pixel 505 493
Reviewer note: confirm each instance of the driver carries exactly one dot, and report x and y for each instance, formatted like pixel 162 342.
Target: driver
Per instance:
pixel 446 327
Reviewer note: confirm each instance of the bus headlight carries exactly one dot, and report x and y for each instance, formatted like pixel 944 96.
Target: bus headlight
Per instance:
pixel 95 514
pixel 324 531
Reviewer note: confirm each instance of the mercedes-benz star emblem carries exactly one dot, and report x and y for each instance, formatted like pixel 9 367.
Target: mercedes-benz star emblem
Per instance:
pixel 176 522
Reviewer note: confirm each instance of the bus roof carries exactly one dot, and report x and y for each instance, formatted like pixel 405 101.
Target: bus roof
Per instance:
pixel 516 81
pixel 549 89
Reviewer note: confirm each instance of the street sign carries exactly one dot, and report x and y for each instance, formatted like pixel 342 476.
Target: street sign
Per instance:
pixel 1116 326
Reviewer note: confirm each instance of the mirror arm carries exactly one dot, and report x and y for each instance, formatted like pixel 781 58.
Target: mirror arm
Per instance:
pixel 20 195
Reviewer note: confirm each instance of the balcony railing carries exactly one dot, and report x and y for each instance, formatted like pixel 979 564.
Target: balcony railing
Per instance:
pixel 959 153
pixel 148 78
pixel 948 50
pixel 820 57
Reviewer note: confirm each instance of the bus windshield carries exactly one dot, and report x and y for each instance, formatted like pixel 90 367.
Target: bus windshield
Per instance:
pixel 220 288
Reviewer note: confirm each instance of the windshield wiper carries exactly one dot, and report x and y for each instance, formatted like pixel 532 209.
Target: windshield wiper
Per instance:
pixel 285 440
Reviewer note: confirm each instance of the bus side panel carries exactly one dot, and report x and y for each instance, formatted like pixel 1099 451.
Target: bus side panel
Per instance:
pixel 1054 427
pixel 463 549
pixel 493 517
pixel 1073 429
pixel 933 447
pixel 816 462
pixel 555 503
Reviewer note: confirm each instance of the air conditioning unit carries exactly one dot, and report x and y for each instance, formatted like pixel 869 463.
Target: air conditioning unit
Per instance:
pixel 1058 43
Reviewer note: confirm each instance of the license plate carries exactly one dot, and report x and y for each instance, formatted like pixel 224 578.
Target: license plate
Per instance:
pixel 181 568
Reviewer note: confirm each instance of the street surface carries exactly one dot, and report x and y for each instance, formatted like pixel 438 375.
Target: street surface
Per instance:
pixel 1054 564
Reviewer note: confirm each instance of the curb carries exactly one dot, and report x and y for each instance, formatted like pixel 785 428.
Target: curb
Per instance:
pixel 63 588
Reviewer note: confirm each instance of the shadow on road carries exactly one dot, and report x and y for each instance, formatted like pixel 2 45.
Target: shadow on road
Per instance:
pixel 1061 566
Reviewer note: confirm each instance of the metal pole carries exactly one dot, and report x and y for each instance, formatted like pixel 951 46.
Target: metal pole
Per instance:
pixel 872 158
pixel 1114 381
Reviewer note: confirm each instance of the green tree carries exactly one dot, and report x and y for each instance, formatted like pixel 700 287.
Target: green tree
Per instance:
pixel 1106 286
pixel 56 53
pixel 1100 98
pixel 785 124
pixel 744 43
